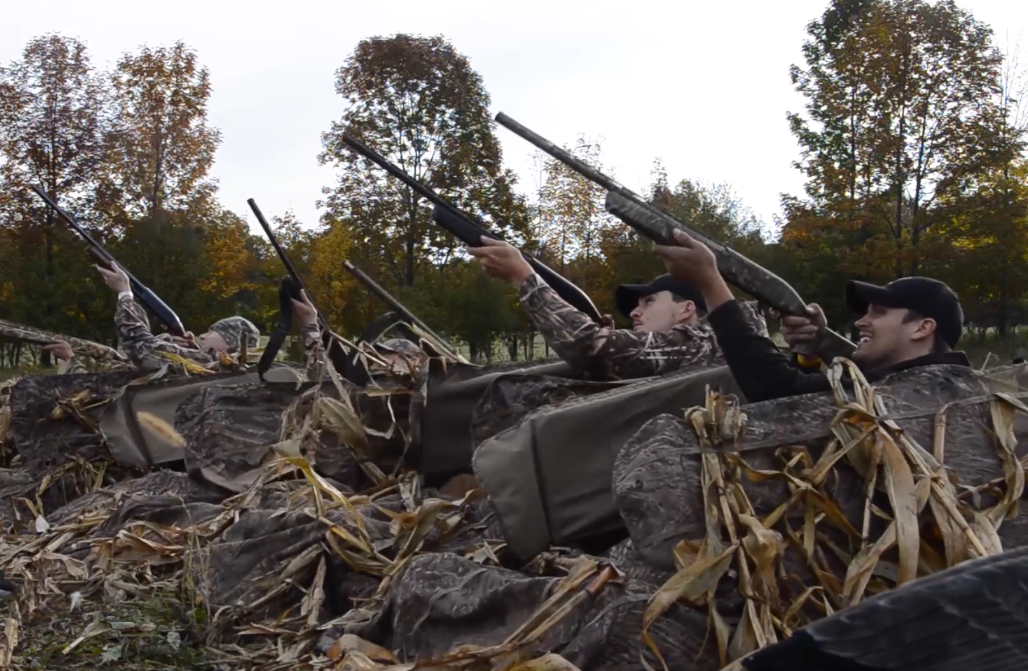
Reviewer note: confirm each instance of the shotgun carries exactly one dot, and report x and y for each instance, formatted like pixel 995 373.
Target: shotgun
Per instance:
pixel 390 300
pixel 656 225
pixel 100 255
pixel 290 288
pixel 13 331
pixel 469 231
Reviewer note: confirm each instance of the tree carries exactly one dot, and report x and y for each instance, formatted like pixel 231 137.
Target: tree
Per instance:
pixel 901 115
pixel 51 130
pixel 162 149
pixel 416 101
pixel 572 216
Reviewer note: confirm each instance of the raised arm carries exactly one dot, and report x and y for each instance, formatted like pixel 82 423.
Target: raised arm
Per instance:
pixel 761 370
pixel 618 353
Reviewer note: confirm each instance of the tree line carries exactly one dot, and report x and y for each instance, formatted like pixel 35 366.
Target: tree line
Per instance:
pixel 911 143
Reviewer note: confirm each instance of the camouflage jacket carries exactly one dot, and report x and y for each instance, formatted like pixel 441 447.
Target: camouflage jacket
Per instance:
pixel 620 354
pixel 145 350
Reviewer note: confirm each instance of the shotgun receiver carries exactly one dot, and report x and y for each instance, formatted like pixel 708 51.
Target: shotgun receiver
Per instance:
pixel 654 224
pixel 290 288
pixel 470 231
pixel 100 255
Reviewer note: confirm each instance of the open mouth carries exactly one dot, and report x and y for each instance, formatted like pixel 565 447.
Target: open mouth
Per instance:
pixel 864 339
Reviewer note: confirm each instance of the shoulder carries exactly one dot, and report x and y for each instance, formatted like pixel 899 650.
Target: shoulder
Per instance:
pixel 701 330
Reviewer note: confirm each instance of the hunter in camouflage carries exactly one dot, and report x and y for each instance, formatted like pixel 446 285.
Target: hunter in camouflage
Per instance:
pixel 148 352
pixel 908 323
pixel 671 332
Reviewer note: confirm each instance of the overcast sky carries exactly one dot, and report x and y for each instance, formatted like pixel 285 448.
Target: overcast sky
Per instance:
pixel 702 85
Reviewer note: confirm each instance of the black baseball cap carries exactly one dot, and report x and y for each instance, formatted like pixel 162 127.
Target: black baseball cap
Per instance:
pixel 627 296
pixel 928 297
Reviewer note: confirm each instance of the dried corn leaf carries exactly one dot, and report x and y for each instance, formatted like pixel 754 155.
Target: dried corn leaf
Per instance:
pixel 899 484
pixel 349 643
pixel 161 429
pixel 341 419
pixel 10 635
pixel 190 366
pixel 694 584
pixel 550 662
pixel 1003 411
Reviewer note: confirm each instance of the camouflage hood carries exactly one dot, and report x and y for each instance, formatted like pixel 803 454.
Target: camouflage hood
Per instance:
pixel 234 329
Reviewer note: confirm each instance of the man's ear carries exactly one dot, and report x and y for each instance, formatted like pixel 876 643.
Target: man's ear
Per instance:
pixel 925 330
pixel 687 311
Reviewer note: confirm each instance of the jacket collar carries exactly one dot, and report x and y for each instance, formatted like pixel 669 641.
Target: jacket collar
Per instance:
pixel 936 359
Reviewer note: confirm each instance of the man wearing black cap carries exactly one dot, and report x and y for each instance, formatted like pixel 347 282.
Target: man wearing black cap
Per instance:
pixel 914 321
pixel 669 328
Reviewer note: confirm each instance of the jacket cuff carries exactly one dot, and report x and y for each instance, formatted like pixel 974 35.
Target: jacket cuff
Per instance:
pixel 530 285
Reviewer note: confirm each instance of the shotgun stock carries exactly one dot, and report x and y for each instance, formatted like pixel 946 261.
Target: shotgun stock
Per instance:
pixel 469 231
pixel 100 255
pixel 656 225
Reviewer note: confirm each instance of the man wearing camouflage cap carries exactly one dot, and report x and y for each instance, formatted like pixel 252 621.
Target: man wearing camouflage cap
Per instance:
pixel 145 350
pixel 669 327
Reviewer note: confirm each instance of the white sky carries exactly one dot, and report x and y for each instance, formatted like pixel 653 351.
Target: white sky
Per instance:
pixel 703 85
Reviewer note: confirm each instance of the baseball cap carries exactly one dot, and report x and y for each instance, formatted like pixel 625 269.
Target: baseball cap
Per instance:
pixel 923 295
pixel 627 296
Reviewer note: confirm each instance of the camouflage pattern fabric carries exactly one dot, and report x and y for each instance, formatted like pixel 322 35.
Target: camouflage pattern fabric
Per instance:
pixel 234 329
pixel 72 366
pixel 143 348
pixel 313 352
pixel 401 346
pixel 620 354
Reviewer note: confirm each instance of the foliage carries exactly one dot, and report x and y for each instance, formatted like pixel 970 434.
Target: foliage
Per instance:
pixel 906 126
pixel 910 140
pixel 416 101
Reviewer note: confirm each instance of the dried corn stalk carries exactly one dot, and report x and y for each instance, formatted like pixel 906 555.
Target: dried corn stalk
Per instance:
pixel 914 481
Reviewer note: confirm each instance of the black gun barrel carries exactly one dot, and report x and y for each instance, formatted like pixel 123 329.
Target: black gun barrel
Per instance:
pixel 396 305
pixel 469 231
pixel 659 226
pixel 140 291
pixel 345 362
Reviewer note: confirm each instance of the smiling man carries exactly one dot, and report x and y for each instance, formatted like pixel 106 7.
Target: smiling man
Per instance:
pixel 914 321
pixel 669 330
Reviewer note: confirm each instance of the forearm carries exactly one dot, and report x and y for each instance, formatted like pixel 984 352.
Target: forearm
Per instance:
pixel 761 370
pixel 313 351
pixel 570 333
pixel 139 342
pixel 133 328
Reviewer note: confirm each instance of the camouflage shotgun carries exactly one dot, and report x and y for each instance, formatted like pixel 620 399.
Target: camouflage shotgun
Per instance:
pixel 654 224
pixel 13 331
pixel 141 293
pixel 289 289
pixel 470 231
pixel 390 300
